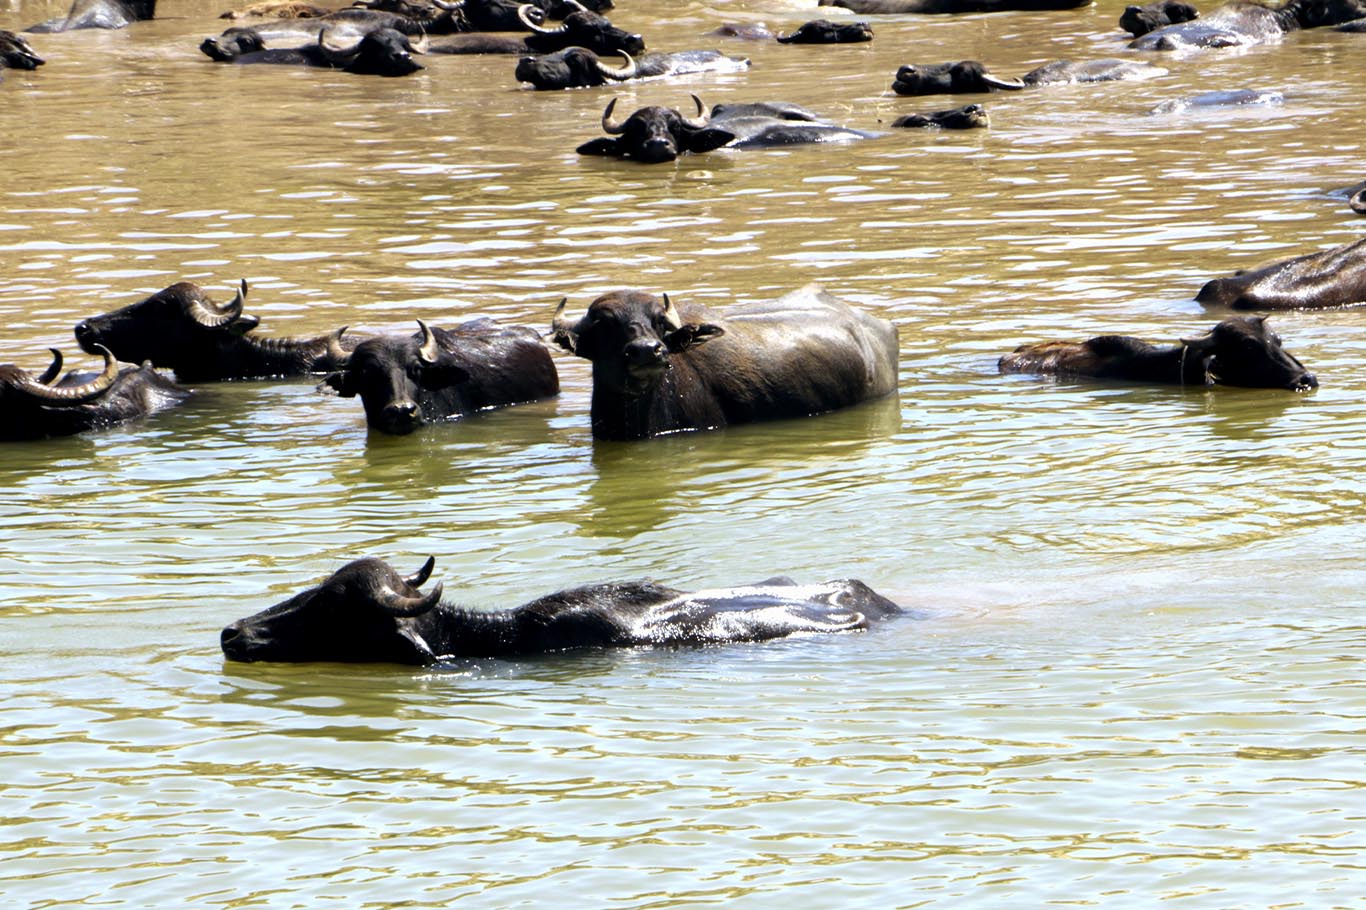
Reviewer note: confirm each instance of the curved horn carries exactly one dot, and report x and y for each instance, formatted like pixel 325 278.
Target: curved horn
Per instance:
pixel 702 118
pixel 429 351
pixel 609 126
pixel 671 313
pixel 1009 85
pixel 339 355
pixel 421 45
pixel 335 55
pixel 449 7
pixel 211 318
pixel 619 73
pixel 419 578
pixel 404 605
pixel 51 372
pixel 558 324
pixel 75 394
pixel 524 13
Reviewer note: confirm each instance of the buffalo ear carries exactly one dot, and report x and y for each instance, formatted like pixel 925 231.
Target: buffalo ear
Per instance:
pixel 704 140
pixel 244 324
pixel 600 146
pixel 339 383
pixel 691 335
pixel 443 375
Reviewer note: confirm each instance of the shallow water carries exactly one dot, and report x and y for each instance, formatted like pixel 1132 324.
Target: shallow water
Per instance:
pixel 1133 678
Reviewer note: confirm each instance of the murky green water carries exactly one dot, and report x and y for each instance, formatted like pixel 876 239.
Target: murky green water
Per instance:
pixel 1137 680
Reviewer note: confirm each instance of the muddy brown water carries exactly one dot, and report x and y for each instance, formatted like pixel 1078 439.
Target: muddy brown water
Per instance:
pixel 1136 680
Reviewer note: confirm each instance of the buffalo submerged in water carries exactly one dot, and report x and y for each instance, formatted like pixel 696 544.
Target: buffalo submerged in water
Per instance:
pixel 1244 23
pixel 1328 278
pixel 367 612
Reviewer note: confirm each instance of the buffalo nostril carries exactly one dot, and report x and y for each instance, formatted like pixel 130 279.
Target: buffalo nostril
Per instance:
pixel 1307 381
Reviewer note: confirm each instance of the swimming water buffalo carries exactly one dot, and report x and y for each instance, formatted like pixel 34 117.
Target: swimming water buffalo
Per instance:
pixel 578 67
pixel 824 31
pixel 971 77
pixel 17 54
pixel 580 28
pixel 382 52
pixel 1236 352
pixel 108 14
pixel 660 368
pixel 1328 278
pixel 1240 97
pixel 901 7
pixel 1139 20
pixel 1243 22
pixel 367 612
pixel 182 329
pixel 652 135
pixel 33 407
pixel 967 117
pixel 438 374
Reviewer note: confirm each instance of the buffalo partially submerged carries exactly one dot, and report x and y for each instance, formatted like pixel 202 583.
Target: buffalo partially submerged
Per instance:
pixel 653 135
pixel 367 612
pixel 1242 23
pixel 108 14
pixel 900 7
pixel 1328 278
pixel 578 67
pixel 580 28
pixel 660 368
pixel 382 52
pixel 972 77
pixel 33 407
pixel 1240 97
pixel 1236 352
pixel 967 117
pixel 1139 20
pixel 824 31
pixel 182 329
pixel 438 374
pixel 17 54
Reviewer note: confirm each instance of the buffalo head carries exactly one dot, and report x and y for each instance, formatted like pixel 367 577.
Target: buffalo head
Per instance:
pixel 581 28
pixel 16 53
pixel 573 67
pixel 233 43
pixel 966 76
pixel 655 134
pixel 19 387
pixel 382 52
pixel 391 373
pixel 630 336
pixel 1243 351
pixel 824 31
pixel 172 325
pixel 358 614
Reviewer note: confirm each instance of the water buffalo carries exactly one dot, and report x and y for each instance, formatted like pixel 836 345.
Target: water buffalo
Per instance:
pixel 580 28
pixel 652 135
pixel 109 14
pixel 1356 197
pixel 180 328
pixel 660 368
pixel 1236 352
pixel 971 77
pixel 1328 278
pixel 1139 20
pixel 1243 22
pixel 578 67
pixel 33 407
pixel 382 52
pixel 405 382
pixel 967 117
pixel 1227 98
pixel 17 54
pixel 367 612
pixel 900 7
pixel 823 31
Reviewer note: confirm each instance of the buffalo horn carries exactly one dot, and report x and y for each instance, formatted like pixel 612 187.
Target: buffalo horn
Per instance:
pixel 77 393
pixel 421 45
pixel 558 324
pixel 671 313
pixel 702 118
pixel 608 126
pixel 405 605
pixel 419 578
pixel 449 7
pixel 51 372
pixel 524 13
pixel 619 73
pixel 336 56
pixel 429 351
pixel 339 356
pixel 214 319
pixel 1010 85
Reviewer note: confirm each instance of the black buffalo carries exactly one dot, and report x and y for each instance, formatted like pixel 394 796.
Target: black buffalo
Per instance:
pixel 1236 352
pixel 17 54
pixel 34 407
pixel 967 117
pixel 580 28
pixel 1242 23
pixel 824 31
pixel 1328 278
pixel 180 328
pixel 366 611
pixel 1139 20
pixel 971 77
pixel 652 135
pixel 405 382
pixel 900 7
pixel 578 67
pixel 659 368
pixel 382 52
pixel 109 14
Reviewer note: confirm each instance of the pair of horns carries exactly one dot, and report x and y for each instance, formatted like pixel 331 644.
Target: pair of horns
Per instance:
pixel 214 317
pixel 616 128
pixel 527 10
pixel 400 604
pixel 41 388
pixel 562 327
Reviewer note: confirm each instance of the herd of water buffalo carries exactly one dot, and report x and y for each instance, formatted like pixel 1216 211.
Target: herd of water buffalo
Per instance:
pixel 658 366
